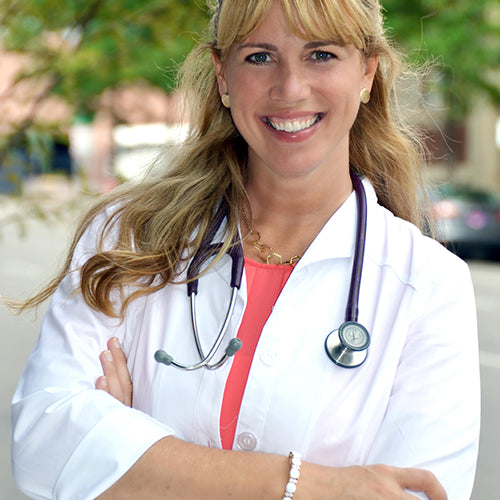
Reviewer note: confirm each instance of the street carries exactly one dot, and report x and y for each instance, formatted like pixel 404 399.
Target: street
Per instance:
pixel 486 277
pixel 27 262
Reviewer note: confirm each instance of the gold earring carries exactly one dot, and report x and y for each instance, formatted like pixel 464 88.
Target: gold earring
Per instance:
pixel 225 100
pixel 365 96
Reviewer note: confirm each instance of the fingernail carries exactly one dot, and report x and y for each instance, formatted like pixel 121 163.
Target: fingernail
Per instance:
pixel 107 356
pixel 116 343
pixel 104 382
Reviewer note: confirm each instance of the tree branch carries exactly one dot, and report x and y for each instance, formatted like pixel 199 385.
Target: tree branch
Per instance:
pixel 16 137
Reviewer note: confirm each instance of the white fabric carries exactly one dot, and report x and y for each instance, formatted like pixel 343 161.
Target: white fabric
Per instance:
pixel 415 401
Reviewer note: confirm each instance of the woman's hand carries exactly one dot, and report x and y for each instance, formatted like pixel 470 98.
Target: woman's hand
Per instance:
pixel 116 379
pixel 377 482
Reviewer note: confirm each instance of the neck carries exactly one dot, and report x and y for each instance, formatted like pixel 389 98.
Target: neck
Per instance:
pixel 288 213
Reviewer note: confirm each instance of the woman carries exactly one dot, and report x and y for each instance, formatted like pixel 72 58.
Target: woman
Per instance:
pixel 278 137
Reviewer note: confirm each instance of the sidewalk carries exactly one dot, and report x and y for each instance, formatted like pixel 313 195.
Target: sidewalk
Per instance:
pixel 28 259
pixel 34 232
pixel 46 197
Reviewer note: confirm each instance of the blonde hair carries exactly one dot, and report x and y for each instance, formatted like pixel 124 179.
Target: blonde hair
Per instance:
pixel 160 223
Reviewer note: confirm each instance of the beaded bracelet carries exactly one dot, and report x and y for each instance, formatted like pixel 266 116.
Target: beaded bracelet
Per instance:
pixel 295 461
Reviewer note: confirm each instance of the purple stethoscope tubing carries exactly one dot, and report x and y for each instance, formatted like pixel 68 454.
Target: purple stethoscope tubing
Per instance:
pixel 351 313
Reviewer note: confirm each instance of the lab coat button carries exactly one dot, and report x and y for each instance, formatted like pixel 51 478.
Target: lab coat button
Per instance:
pixel 247 441
pixel 268 357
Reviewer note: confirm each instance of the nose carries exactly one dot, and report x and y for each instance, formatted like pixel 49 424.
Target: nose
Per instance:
pixel 290 84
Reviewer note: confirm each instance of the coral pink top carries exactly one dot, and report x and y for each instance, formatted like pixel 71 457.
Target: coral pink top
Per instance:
pixel 264 284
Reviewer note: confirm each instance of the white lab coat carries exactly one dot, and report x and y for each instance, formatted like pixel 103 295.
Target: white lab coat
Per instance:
pixel 414 402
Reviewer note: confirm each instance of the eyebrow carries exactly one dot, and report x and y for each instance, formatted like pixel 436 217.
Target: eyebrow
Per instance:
pixel 269 46
pixel 321 43
pixel 266 46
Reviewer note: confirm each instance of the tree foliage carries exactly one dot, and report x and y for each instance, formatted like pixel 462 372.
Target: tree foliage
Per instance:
pixel 461 36
pixel 85 47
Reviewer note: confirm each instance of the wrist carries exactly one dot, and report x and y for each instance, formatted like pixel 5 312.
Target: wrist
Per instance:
pixel 295 463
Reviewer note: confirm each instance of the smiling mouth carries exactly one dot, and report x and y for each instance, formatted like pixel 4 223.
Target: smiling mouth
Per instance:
pixel 293 126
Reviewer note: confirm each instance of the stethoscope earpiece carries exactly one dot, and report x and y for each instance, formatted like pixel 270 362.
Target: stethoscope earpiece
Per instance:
pixel 162 357
pixel 347 346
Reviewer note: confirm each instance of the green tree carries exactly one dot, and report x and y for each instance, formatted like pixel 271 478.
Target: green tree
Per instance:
pixel 461 36
pixel 85 47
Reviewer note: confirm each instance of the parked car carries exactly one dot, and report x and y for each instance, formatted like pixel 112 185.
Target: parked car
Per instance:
pixel 467 220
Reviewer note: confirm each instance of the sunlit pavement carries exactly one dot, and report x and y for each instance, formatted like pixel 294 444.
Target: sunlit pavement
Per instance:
pixel 26 262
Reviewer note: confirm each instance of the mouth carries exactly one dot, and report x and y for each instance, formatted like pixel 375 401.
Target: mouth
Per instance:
pixel 293 126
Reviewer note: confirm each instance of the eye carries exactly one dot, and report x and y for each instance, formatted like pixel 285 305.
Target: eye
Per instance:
pixel 322 55
pixel 258 58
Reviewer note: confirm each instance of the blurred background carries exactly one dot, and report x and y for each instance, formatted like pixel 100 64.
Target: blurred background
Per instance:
pixel 87 100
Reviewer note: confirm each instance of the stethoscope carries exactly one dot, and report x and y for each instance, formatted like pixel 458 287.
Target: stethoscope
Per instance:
pixel 347 346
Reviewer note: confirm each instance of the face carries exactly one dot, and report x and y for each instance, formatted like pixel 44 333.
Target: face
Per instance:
pixel 293 100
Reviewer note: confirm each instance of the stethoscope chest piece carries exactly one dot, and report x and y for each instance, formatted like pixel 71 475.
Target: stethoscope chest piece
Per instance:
pixel 347 346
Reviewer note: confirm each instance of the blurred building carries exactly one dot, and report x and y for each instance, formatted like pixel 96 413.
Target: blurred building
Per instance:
pixel 481 164
pixel 468 152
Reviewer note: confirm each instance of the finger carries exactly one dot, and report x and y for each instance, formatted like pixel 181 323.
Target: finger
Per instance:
pixel 109 369
pixel 120 362
pixel 422 481
pixel 102 383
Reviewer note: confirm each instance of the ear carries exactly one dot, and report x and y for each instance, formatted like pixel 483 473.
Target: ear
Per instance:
pixel 370 66
pixel 219 74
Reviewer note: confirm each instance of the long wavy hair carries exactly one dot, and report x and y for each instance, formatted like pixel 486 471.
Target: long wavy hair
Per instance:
pixel 158 224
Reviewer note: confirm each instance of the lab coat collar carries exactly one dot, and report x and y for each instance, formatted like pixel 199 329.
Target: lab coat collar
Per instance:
pixel 338 237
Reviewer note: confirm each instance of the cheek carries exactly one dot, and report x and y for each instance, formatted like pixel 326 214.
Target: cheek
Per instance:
pixel 345 96
pixel 246 101
pixel 247 98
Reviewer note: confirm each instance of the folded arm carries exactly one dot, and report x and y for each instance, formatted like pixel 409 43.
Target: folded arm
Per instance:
pixel 172 467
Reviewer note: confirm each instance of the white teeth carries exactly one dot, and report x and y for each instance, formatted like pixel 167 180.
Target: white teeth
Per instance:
pixel 293 125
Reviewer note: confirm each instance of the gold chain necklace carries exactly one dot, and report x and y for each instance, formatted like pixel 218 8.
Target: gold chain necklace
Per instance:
pixel 266 252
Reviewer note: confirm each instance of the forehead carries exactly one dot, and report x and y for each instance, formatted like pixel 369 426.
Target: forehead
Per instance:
pixel 333 20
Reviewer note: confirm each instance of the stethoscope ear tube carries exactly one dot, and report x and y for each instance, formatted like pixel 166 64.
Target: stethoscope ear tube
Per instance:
pixel 236 254
pixel 205 251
